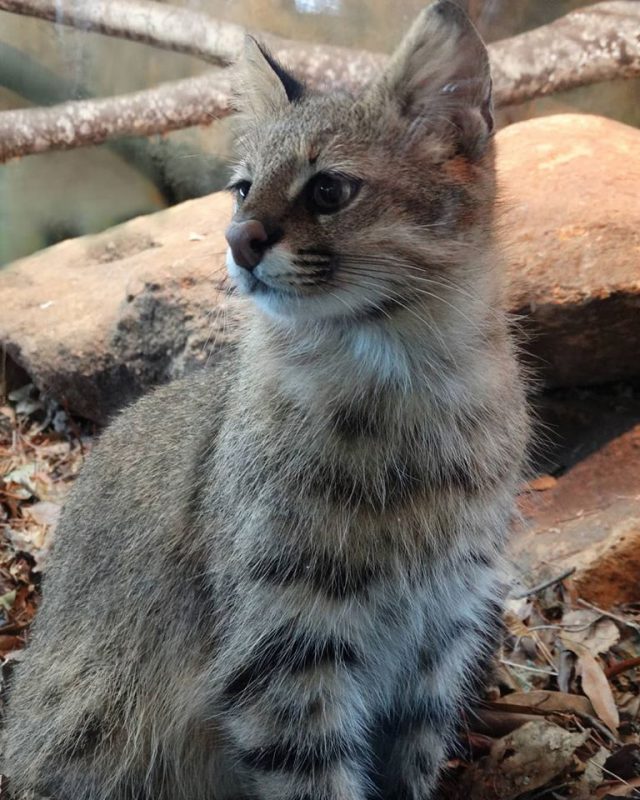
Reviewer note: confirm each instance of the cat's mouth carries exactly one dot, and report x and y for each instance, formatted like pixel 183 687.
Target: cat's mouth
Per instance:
pixel 284 273
pixel 309 285
pixel 253 284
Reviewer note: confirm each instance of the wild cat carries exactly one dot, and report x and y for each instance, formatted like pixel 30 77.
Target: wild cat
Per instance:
pixel 282 583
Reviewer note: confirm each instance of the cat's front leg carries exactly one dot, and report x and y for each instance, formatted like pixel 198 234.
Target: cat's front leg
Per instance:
pixel 449 669
pixel 416 731
pixel 295 715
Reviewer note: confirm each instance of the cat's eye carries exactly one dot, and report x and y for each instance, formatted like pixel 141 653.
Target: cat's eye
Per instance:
pixel 329 192
pixel 241 189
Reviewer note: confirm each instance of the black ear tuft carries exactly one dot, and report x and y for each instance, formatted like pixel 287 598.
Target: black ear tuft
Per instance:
pixel 293 87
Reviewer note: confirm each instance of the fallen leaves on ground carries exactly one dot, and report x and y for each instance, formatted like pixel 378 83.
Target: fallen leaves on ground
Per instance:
pixel 562 718
pixel 41 452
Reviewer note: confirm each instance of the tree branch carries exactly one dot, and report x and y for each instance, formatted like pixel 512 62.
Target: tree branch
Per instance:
pixel 192 33
pixel 171 106
pixel 169 27
pixel 597 43
pixel 178 170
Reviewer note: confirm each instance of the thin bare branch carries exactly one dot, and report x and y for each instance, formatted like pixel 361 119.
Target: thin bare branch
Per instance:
pixel 171 106
pixel 597 43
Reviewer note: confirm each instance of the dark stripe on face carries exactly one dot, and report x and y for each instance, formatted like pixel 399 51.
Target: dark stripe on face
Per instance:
pixel 322 572
pixel 304 759
pixel 290 652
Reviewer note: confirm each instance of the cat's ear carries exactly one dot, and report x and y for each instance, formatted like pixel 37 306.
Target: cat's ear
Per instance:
pixel 440 74
pixel 264 85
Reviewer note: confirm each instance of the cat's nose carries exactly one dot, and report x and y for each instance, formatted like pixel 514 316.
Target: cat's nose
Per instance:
pixel 248 240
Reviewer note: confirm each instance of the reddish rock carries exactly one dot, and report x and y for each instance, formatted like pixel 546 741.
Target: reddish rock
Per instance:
pixel 571 226
pixel 97 320
pixel 589 520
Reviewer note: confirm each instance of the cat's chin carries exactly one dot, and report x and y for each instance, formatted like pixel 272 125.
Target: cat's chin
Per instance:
pixel 292 308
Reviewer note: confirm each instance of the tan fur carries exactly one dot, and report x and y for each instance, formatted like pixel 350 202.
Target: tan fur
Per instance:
pixel 282 583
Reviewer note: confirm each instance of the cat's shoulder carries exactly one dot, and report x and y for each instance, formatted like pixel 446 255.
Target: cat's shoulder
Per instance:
pixel 158 440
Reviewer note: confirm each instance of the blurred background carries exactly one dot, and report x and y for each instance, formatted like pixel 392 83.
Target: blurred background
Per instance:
pixel 47 198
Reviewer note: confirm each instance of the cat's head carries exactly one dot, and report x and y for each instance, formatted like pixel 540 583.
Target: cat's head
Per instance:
pixel 359 206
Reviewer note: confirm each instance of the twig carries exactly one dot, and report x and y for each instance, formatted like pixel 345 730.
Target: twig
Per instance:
pixel 545 585
pixel 597 43
pixel 613 775
pixel 541 794
pixel 593 44
pixel 527 668
pixel 601 728
pixel 622 666
pixel 616 617
pixel 14 628
pixel 200 35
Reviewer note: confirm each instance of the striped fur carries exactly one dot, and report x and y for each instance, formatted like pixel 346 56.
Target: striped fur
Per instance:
pixel 282 579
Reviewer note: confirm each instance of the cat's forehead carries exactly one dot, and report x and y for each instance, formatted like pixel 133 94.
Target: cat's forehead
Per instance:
pixel 316 131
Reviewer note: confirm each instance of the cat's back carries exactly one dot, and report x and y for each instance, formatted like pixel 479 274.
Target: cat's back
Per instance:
pixel 139 485
pixel 128 533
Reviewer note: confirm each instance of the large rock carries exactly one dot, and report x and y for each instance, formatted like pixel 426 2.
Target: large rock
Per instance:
pixel 97 320
pixel 571 226
pixel 589 519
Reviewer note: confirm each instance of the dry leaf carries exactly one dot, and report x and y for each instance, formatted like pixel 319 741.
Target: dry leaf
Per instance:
pixel 595 685
pixel 24 476
pixel 525 760
pixel 591 778
pixel 629 703
pixel 45 513
pixel 547 702
pixel 501 721
pixel 9 643
pixel 597 633
pixel 618 789
pixel 625 762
